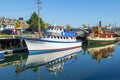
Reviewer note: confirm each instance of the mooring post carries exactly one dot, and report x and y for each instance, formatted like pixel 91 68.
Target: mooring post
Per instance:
pixel 21 43
pixel 10 44
pixel 0 47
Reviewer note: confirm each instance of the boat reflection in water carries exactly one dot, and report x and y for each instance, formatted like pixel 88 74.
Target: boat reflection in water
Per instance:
pixel 52 61
pixel 99 52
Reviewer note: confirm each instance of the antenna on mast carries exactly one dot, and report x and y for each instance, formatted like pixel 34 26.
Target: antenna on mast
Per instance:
pixel 55 23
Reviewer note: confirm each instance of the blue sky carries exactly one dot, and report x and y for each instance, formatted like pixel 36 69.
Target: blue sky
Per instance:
pixel 72 12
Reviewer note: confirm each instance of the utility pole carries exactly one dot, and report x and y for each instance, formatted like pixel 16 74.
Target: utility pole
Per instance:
pixel 39 27
pixel 39 30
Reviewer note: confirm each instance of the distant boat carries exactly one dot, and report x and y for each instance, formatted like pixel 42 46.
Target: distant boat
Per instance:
pixel 99 35
pixel 52 61
pixel 81 32
pixel 55 39
pixel 117 33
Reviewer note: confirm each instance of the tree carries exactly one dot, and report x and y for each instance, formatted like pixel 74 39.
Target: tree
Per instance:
pixel 45 26
pixel 69 27
pixel 84 26
pixel 33 22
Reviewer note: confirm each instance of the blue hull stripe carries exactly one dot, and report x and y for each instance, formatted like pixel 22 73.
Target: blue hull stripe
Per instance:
pixel 32 52
pixel 41 51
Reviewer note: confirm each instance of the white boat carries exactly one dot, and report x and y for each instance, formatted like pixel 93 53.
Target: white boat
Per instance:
pixel 55 39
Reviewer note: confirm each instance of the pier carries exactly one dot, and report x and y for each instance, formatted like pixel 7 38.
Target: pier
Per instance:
pixel 9 52
pixel 9 46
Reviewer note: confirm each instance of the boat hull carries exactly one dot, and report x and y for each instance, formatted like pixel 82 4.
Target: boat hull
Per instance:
pixel 42 46
pixel 100 39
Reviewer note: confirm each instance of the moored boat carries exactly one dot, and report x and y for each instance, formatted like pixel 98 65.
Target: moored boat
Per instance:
pixel 55 39
pixel 99 35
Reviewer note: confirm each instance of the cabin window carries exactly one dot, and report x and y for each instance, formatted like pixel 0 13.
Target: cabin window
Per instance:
pixel 54 36
pixel 65 30
pixel 96 35
pixel 71 37
pixel 60 29
pixel 58 37
pixel 49 28
pixel 66 37
pixel 52 28
pixel 48 36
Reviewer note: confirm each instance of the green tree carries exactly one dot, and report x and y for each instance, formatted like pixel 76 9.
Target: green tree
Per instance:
pixel 33 22
pixel 119 28
pixel 69 28
pixel 45 25
pixel 84 25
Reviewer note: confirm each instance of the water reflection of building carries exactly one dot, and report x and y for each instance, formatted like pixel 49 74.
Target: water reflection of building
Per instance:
pixel 54 62
pixel 100 52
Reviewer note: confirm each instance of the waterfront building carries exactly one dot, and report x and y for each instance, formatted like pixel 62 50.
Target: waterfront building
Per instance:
pixel 8 23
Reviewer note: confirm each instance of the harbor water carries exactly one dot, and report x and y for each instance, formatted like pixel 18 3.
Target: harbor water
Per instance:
pixel 86 63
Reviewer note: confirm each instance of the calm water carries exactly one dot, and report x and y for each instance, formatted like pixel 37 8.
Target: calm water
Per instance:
pixel 87 63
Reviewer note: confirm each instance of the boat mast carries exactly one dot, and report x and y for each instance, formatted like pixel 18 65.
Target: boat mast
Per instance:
pixel 39 29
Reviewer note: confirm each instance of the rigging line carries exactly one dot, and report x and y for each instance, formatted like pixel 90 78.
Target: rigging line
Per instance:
pixel 18 9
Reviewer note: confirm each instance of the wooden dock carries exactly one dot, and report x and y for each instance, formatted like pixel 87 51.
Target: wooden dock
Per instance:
pixel 15 49
pixel 9 52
